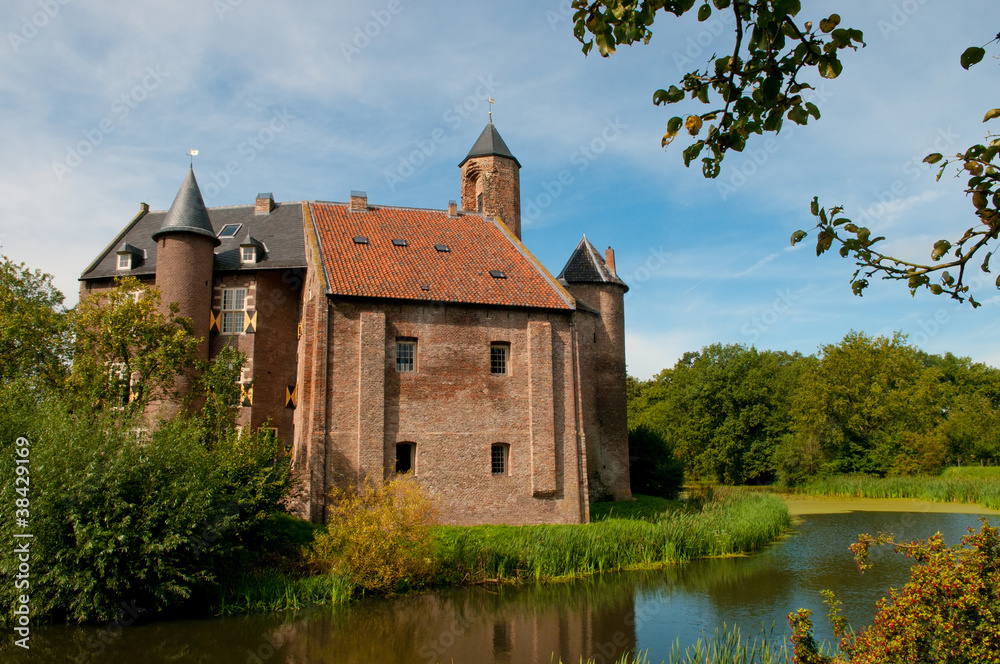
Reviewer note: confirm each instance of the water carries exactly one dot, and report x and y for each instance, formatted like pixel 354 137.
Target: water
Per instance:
pixel 601 617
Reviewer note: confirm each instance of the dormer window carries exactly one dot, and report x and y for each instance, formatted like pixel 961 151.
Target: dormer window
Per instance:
pixel 251 250
pixel 129 257
pixel 125 261
pixel 249 254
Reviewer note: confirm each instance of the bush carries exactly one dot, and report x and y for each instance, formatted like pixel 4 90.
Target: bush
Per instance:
pixel 654 469
pixel 119 516
pixel 379 538
pixel 948 612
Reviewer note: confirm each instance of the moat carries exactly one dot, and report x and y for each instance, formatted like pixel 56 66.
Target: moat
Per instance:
pixel 600 617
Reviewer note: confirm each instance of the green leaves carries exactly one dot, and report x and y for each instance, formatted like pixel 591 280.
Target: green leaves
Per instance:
pixel 798 236
pixel 991 114
pixel 828 24
pixel 704 12
pixel 941 247
pixel 972 55
pixel 933 158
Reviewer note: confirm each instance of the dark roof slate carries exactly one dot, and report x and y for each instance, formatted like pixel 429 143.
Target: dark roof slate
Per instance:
pixel 586 265
pixel 281 231
pixel 188 213
pixel 419 271
pixel 490 144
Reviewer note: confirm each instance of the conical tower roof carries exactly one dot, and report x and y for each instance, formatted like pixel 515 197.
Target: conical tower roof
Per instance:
pixel 188 213
pixel 490 144
pixel 587 266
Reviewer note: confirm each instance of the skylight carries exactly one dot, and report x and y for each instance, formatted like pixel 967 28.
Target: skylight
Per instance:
pixel 230 230
pixel 400 243
pixel 497 274
pixel 360 239
pixel 442 247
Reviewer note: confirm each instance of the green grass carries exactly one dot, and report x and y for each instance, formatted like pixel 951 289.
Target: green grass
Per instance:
pixel 640 507
pixel 972 472
pixel 274 591
pixel 736 521
pixel 950 489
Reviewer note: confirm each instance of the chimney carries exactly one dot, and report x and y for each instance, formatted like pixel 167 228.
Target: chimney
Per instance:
pixel 359 202
pixel 452 209
pixel 264 204
pixel 609 259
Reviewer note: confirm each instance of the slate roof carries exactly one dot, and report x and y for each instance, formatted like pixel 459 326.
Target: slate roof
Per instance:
pixel 489 144
pixel 586 265
pixel 419 270
pixel 188 213
pixel 281 231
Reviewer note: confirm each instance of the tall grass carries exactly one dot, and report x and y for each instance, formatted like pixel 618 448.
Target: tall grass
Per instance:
pixel 726 646
pixel 736 521
pixel 949 489
pixel 274 591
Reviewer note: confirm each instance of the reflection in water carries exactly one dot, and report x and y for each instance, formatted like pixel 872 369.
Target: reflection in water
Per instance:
pixel 600 617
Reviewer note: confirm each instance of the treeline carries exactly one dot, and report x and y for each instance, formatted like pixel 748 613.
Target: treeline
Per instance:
pixel 874 405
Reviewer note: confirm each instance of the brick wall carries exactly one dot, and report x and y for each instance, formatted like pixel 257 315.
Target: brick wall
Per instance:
pixel 497 179
pixel 453 409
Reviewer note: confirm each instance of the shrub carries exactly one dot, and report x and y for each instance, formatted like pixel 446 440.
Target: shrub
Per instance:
pixel 947 612
pixel 379 537
pixel 654 469
pixel 119 516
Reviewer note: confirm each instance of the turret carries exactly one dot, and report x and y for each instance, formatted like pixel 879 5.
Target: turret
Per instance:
pixel 600 295
pixel 185 252
pixel 491 181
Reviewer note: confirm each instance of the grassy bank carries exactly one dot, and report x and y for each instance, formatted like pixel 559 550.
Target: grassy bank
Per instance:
pixel 952 488
pixel 735 521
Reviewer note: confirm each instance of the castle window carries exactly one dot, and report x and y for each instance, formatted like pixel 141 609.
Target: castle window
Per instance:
pixel 406 355
pixel 406 454
pixel 499 352
pixel 499 458
pixel 479 202
pixel 234 302
pixel 124 261
pixel 230 230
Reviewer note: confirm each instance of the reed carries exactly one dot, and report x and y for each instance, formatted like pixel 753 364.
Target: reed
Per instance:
pixel 736 521
pixel 273 591
pixel 948 489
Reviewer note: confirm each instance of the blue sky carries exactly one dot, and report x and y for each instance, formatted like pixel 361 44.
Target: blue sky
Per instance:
pixel 100 102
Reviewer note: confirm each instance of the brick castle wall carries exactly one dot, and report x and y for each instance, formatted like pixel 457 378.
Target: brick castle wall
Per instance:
pixel 453 409
pixel 497 180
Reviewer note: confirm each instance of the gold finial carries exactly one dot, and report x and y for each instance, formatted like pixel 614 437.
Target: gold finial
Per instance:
pixel 491 101
pixel 193 154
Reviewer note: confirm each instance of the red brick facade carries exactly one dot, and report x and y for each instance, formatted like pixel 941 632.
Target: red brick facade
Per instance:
pixel 532 438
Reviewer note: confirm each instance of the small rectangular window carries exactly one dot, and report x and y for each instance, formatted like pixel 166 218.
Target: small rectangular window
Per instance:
pixel 406 355
pixel 234 310
pixel 405 457
pixel 498 358
pixel 249 254
pixel 499 458
pixel 124 261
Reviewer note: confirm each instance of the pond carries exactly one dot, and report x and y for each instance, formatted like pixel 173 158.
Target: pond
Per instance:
pixel 601 617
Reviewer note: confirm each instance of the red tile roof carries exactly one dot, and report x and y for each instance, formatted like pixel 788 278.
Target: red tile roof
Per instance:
pixel 477 243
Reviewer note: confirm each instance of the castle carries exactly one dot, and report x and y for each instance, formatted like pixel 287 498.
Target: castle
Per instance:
pixel 385 339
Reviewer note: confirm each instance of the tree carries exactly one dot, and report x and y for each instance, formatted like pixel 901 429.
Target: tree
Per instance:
pixel 127 350
pixel 34 331
pixel 655 469
pixel 724 410
pixel 760 83
pixel 871 405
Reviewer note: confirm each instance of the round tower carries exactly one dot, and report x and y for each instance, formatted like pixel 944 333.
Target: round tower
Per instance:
pixel 491 181
pixel 185 253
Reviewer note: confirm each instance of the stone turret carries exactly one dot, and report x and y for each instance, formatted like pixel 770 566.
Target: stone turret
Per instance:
pixel 600 296
pixel 491 181
pixel 185 252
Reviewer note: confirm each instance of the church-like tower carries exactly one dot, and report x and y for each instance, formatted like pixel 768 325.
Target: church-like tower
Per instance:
pixel 491 182
pixel 185 253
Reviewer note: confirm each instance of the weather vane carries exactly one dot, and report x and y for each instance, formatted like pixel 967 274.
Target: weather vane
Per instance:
pixel 193 154
pixel 491 101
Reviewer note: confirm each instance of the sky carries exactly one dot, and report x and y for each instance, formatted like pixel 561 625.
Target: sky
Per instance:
pixel 100 103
